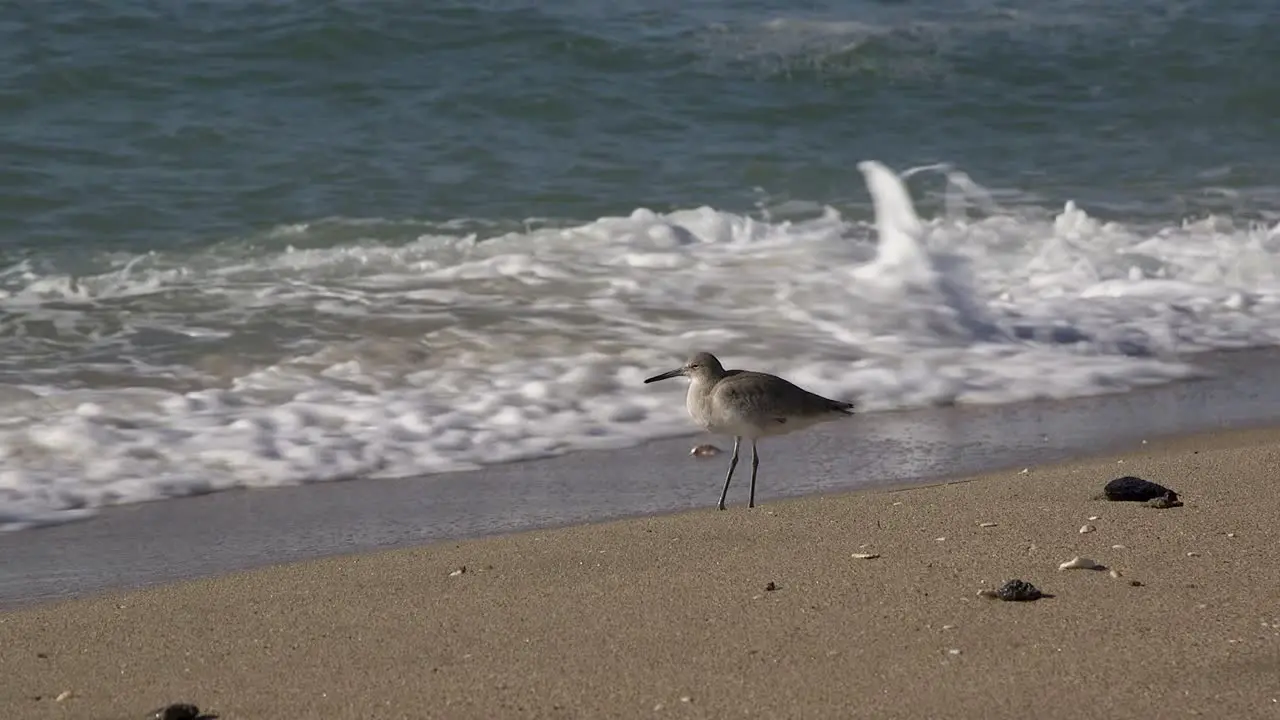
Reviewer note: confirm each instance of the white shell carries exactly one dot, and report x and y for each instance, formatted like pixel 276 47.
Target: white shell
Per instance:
pixel 1080 563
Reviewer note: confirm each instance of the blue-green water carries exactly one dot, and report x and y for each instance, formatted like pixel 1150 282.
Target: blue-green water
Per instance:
pixel 144 125
pixel 259 243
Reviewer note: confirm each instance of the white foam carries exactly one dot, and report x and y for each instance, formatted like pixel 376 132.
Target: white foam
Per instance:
pixel 364 358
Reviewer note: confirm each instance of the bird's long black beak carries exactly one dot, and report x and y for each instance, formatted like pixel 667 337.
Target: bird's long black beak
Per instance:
pixel 666 375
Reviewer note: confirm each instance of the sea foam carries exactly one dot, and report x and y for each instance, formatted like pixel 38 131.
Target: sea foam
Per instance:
pixel 464 345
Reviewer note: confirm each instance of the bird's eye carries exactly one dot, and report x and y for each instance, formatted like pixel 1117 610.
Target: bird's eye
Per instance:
pixel 693 366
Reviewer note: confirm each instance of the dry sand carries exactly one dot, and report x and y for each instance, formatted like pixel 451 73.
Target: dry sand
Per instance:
pixel 670 616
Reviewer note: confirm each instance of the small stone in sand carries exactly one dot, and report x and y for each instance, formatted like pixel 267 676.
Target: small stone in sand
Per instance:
pixel 1193 554
pixel 63 696
pixel 771 586
pixel 178 711
pixel 1135 489
pixel 1135 583
pixel 987 524
pixel 1087 529
pixel 1114 573
pixel 459 571
pixel 1014 591
pixel 953 651
pixel 865 556
pixel 1081 563
pixel 706 450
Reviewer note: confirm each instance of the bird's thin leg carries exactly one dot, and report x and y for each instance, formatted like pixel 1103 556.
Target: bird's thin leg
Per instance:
pixel 755 465
pixel 733 463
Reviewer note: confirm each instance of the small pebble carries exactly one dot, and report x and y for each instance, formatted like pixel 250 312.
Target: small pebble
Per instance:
pixel 459 571
pixel 1135 489
pixel 953 651
pixel 940 539
pixel 1117 547
pixel 685 699
pixel 1231 534
pixel 771 586
pixel 1087 529
pixel 63 696
pixel 865 556
pixel 948 627
pixel 177 711
pixel 1193 554
pixel 987 524
pixel 1135 583
pixel 1114 573
pixel 1014 591
pixel 1095 517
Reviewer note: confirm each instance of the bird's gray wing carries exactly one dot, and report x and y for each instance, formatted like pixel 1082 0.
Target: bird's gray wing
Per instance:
pixel 768 398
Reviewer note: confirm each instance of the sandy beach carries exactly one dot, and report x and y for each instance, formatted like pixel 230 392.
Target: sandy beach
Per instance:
pixel 673 616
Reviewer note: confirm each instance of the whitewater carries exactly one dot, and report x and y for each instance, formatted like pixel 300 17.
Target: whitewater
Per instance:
pixel 358 349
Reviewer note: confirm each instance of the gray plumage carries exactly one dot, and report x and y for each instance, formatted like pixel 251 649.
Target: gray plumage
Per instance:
pixel 747 404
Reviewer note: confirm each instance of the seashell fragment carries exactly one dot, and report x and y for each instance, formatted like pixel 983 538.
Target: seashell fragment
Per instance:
pixel 1081 563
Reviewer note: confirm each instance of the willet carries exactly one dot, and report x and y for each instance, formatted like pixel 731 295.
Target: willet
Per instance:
pixel 746 404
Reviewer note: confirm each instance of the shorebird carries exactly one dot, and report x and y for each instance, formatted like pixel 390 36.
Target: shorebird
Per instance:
pixel 747 404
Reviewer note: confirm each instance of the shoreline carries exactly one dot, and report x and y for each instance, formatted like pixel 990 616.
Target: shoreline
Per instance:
pixel 674 615
pixel 144 544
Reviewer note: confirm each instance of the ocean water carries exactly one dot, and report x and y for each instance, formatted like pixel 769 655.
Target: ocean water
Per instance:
pixel 258 244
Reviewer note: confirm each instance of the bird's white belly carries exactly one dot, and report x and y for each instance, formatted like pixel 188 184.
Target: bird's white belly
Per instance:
pixel 717 421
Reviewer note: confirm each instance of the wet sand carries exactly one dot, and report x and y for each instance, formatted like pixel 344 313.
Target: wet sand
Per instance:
pixel 672 616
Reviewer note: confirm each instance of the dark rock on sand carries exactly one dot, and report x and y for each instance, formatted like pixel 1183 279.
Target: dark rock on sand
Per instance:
pixel 1015 591
pixel 179 711
pixel 1018 591
pixel 1134 489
